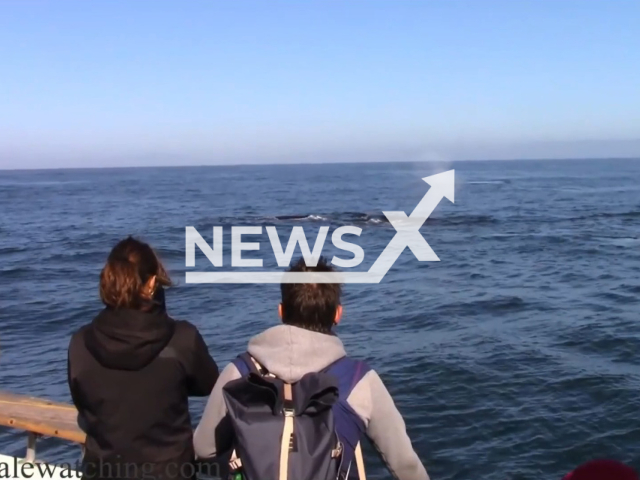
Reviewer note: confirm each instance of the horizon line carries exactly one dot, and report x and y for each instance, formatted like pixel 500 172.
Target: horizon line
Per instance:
pixel 277 164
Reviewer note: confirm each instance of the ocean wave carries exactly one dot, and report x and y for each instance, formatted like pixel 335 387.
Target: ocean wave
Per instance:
pixel 628 214
pixel 464 220
pixel 376 219
pixel 9 250
pixel 16 270
pixel 488 182
pixel 493 305
pixel 620 241
pixel 343 217
pixel 97 256
pixel 337 218
pixel 618 297
pixel 295 217
pixel 40 183
pixel 631 288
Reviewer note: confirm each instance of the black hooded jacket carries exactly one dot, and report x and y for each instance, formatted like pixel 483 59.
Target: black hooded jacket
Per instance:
pixel 130 375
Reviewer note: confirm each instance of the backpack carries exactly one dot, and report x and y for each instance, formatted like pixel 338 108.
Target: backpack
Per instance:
pixel 300 431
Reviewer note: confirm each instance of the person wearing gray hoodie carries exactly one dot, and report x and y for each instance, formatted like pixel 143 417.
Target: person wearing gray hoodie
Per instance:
pixel 305 343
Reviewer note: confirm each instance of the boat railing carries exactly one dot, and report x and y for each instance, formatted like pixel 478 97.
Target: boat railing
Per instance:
pixel 40 417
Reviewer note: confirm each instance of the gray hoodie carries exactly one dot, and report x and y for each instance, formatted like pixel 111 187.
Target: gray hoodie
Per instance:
pixel 291 352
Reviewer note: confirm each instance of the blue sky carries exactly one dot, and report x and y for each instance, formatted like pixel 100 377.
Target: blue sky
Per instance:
pixel 98 83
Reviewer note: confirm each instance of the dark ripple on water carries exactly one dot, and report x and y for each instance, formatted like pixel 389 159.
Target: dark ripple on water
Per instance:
pixel 513 357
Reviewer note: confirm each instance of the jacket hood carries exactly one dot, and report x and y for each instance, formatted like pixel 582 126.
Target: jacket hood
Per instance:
pixel 123 339
pixel 291 352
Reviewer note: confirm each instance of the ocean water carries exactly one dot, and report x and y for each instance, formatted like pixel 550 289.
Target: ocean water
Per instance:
pixel 516 356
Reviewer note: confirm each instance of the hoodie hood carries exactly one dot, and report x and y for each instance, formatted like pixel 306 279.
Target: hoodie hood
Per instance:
pixel 291 352
pixel 126 339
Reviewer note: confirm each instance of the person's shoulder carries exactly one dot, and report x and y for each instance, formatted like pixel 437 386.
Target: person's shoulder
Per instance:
pixel 186 335
pixel 360 365
pixel 184 327
pixel 79 334
pixel 353 371
pixel 77 349
pixel 366 376
pixel 230 373
pixel 81 330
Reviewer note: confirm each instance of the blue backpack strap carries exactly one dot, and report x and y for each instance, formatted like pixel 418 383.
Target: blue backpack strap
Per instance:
pixel 349 426
pixel 349 372
pixel 244 364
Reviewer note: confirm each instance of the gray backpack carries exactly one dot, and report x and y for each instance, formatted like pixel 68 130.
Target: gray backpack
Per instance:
pixel 285 431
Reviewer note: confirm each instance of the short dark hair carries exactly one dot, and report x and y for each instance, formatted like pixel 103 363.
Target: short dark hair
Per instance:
pixel 311 306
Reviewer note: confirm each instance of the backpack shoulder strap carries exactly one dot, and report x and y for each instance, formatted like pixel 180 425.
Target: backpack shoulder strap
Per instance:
pixel 362 474
pixel 287 432
pixel 246 364
pixel 349 372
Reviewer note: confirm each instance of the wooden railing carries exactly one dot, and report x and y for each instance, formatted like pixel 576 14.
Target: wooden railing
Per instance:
pixel 39 417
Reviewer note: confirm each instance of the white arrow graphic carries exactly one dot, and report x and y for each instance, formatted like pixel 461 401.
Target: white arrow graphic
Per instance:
pixel 407 235
pixel 408 228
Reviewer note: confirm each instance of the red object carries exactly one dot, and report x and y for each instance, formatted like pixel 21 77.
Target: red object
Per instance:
pixel 602 470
